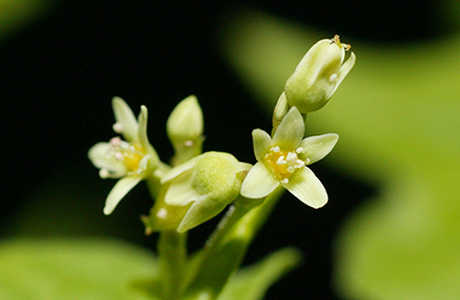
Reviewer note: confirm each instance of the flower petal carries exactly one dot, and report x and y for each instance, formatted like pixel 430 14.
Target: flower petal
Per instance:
pixel 259 182
pixel 176 171
pixel 344 70
pixel 181 191
pixel 144 140
pixel 121 188
pixel 307 188
pixel 262 143
pixel 98 156
pixel 317 147
pixel 201 211
pixel 125 116
pixel 290 132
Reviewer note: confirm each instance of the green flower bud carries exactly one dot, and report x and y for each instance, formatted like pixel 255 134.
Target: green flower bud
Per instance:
pixel 318 75
pixel 207 184
pixel 186 121
pixel 185 129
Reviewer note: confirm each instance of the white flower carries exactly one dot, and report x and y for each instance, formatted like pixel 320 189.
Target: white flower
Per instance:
pixel 132 159
pixel 283 161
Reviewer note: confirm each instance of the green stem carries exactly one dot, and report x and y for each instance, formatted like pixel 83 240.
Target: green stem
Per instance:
pixel 226 248
pixel 172 256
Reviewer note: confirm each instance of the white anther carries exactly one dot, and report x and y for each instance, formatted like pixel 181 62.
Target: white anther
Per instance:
pixel 118 155
pixel 275 149
pixel 162 213
pixel 285 181
pixel 117 127
pixel 333 77
pixel 281 161
pixel 291 157
pixel 116 141
pixel 104 173
pixel 307 161
pixel 291 169
pixel 299 150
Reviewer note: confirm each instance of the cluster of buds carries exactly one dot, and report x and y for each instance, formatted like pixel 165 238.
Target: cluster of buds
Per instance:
pixel 197 186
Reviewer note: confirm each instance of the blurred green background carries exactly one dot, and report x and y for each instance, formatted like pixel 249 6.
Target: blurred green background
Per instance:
pixel 392 227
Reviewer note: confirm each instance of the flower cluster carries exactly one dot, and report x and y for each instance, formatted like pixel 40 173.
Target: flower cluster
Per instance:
pixel 197 186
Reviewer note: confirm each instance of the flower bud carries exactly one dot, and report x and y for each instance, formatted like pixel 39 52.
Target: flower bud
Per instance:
pixel 185 128
pixel 318 75
pixel 186 121
pixel 206 184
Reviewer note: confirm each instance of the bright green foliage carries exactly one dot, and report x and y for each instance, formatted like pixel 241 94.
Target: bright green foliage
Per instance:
pixel 398 118
pixel 251 283
pixel 90 269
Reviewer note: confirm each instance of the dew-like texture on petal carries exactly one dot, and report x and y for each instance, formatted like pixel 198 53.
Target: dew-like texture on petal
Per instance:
pixel 121 188
pixel 125 116
pixel 176 171
pixel 98 156
pixel 317 147
pixel 307 188
pixel 262 143
pixel 181 191
pixel 259 182
pixel 201 211
pixel 290 132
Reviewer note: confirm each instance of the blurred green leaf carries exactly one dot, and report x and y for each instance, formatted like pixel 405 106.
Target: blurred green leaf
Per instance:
pixel 15 14
pixel 253 282
pixel 397 114
pixel 73 269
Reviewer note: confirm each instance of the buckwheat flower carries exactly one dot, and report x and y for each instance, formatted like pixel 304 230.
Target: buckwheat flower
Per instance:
pixel 206 183
pixel 283 161
pixel 131 159
pixel 318 75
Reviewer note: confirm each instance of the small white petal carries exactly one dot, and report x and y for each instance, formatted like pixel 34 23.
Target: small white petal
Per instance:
pixel 201 211
pixel 181 191
pixel 344 70
pixel 121 188
pixel 259 182
pixel 290 132
pixel 317 147
pixel 174 172
pixel 125 116
pixel 98 154
pixel 144 140
pixel 262 143
pixel 307 188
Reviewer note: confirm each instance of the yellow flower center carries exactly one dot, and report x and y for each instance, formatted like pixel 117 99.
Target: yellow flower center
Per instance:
pixel 130 154
pixel 283 163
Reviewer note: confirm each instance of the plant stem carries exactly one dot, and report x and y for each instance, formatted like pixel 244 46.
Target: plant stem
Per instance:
pixel 172 256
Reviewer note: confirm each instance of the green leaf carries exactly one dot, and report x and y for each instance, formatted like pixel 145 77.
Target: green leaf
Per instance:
pixel 251 283
pixel 397 115
pixel 74 269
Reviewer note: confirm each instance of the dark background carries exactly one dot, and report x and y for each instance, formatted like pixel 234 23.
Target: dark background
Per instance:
pixel 59 75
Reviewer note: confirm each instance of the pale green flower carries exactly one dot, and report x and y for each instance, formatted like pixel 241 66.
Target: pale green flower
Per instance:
pixel 207 183
pixel 283 161
pixel 132 159
pixel 318 75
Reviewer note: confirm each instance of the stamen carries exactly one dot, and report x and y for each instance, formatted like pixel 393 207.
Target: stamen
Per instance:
pixel 299 150
pixel 285 181
pixel 275 149
pixel 333 78
pixel 104 173
pixel 117 127
pixel 162 213
pixel 281 161
pixel 116 141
